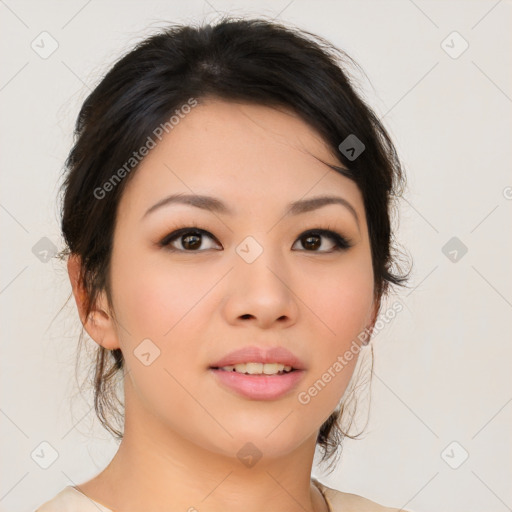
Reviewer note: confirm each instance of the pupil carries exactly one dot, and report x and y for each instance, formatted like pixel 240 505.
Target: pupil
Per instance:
pixel 315 243
pixel 196 241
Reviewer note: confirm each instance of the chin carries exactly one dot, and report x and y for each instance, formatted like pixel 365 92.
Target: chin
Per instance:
pixel 273 437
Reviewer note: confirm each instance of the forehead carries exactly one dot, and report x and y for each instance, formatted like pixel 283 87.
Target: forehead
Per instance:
pixel 240 152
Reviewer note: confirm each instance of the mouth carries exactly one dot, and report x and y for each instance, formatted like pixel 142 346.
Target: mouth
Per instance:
pixel 255 368
pixel 259 374
pixel 255 360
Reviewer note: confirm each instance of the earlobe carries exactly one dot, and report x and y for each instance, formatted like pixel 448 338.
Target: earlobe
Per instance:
pixel 99 323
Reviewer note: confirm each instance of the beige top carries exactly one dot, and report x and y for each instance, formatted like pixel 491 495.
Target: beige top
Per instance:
pixel 71 499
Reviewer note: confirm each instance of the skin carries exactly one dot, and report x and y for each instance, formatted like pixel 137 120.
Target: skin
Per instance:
pixel 182 429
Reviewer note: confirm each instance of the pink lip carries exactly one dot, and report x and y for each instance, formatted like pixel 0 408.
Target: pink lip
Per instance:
pixel 259 387
pixel 256 355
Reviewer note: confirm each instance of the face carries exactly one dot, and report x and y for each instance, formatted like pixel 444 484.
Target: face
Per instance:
pixel 242 273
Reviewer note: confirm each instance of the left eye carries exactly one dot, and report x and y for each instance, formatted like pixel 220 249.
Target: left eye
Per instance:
pixel 313 239
pixel 191 240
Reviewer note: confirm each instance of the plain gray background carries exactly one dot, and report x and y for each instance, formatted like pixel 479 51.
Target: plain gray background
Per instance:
pixel 440 415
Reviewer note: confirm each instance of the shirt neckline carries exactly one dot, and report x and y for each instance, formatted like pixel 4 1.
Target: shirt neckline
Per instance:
pixel 316 483
pixel 321 488
pixel 103 508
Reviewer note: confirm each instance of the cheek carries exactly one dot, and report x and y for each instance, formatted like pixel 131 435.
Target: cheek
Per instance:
pixel 162 303
pixel 343 307
pixel 153 298
pixel 158 304
pixel 343 300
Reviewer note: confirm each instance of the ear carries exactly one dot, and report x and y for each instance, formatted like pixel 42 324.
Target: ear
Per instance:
pixel 99 324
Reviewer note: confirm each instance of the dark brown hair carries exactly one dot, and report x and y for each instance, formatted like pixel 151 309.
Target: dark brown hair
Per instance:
pixel 247 60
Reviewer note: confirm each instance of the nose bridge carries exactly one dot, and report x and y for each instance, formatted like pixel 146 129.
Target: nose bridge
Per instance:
pixel 257 262
pixel 260 282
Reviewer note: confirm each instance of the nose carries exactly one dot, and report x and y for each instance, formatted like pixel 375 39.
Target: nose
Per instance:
pixel 261 292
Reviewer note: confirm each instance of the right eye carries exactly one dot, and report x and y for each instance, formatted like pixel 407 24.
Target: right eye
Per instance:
pixel 189 238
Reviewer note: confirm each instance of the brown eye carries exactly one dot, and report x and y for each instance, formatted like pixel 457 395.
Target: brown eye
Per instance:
pixel 312 240
pixel 190 240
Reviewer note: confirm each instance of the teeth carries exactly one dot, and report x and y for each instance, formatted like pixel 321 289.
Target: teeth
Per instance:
pixel 250 368
pixel 258 368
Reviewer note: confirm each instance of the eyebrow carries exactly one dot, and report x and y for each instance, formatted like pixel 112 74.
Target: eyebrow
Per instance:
pixel 216 205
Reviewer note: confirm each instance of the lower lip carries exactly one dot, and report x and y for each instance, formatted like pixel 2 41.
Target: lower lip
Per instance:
pixel 259 387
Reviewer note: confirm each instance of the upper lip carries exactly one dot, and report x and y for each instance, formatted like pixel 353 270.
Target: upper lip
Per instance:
pixel 260 355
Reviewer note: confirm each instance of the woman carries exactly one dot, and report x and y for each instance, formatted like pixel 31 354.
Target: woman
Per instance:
pixel 227 219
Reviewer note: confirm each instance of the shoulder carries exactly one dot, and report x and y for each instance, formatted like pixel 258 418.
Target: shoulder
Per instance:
pixel 347 502
pixel 71 499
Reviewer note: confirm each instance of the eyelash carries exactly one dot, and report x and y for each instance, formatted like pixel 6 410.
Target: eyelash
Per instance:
pixel 341 243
